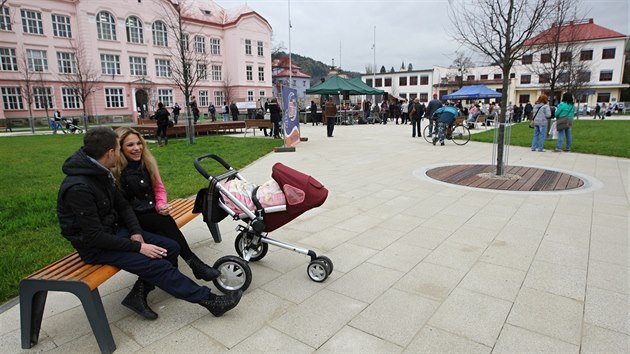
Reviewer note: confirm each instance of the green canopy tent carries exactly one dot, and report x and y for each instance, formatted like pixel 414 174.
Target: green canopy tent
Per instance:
pixel 337 85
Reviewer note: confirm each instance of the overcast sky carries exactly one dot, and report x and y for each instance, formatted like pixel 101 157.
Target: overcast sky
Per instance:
pixel 413 31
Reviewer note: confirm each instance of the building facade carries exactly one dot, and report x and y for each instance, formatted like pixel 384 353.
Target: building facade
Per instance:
pixel 128 51
pixel 293 78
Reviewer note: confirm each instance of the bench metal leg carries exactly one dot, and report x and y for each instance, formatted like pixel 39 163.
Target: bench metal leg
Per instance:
pixel 93 306
pixel 32 304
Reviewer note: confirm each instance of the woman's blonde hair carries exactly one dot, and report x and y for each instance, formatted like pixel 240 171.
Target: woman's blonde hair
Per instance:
pixel 147 159
pixel 543 99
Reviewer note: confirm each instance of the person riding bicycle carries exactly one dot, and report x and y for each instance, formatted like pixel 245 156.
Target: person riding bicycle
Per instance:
pixel 445 117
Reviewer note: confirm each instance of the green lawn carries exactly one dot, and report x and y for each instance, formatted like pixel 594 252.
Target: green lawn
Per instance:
pixel 31 175
pixel 597 137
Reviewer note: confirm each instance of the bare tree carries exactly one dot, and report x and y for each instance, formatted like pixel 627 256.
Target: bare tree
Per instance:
pixel 80 75
pixel 369 69
pixel 499 31
pixel 228 89
pixel 42 98
pixel 188 62
pixel 28 70
pixel 462 65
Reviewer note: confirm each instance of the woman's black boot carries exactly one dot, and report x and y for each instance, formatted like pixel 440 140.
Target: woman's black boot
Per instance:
pixel 202 270
pixel 136 300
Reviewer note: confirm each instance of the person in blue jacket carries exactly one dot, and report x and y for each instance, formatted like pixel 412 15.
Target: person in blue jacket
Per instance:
pixel 445 117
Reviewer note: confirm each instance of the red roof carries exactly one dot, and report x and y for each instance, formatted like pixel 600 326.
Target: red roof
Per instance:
pixel 576 31
pixel 284 63
pixel 285 73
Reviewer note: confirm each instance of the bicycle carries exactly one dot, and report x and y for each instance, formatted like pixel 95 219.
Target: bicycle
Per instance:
pixel 458 133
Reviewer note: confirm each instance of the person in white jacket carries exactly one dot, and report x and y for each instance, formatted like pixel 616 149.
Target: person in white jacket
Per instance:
pixel 542 112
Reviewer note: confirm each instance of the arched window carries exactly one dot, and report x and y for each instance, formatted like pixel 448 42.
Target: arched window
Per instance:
pixel 160 35
pixel 134 30
pixel 106 26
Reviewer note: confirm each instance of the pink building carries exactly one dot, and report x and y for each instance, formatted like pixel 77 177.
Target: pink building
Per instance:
pixel 125 56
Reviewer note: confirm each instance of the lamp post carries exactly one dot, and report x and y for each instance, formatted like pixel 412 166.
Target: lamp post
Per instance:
pixel 94 104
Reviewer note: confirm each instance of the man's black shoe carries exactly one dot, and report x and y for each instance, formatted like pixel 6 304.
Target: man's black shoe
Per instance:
pixel 136 301
pixel 220 304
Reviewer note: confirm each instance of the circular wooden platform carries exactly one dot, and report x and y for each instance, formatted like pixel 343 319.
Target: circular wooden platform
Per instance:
pixel 517 178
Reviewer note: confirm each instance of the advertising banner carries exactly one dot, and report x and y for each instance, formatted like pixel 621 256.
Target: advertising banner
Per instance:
pixel 290 120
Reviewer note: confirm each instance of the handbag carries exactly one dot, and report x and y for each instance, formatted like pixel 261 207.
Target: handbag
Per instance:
pixel 563 123
pixel 531 122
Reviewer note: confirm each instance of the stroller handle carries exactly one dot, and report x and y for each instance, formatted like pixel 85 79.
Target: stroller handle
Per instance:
pixel 230 171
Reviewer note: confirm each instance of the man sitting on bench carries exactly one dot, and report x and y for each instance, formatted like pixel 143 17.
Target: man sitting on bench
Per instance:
pixel 101 225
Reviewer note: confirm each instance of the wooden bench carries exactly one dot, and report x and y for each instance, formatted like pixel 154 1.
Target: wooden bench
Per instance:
pixel 4 125
pixel 71 274
pixel 146 121
pixel 254 124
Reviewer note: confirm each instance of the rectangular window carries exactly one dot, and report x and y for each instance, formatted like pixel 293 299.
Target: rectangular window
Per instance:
pixel 545 58
pixel 66 61
pixel 250 96
pixel 218 98
pixel 523 99
pixel 563 76
pixel 110 64
pixel 215 46
pixel 603 97
pixel 248 47
pixel 138 66
pixel 424 97
pixel 512 75
pixel 402 81
pixel 203 98
pixel 32 22
pixel 70 98
pixel 162 67
pixel 527 59
pixel 388 82
pixel 584 76
pixel 565 57
pixel 249 74
pixel 5 19
pixel 42 96
pixel 413 81
pixel 12 98
pixel 114 98
pixel 261 94
pixel 8 59
pixel 424 80
pixel 586 55
pixel 608 53
pixel 216 73
pixel 605 75
pixel 260 49
pixel 368 82
pixel 37 60
pixel 185 42
pixel 200 44
pixel 202 71
pixel 526 79
pixel 470 78
pixel 403 96
pixel 61 26
pixel 543 79
pixel 498 76
pixel 165 96
pixel 261 73
pixel 483 77
pixel 379 82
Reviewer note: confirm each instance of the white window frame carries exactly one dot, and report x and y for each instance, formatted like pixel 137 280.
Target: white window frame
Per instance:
pixel 70 98
pixel 261 73
pixel 202 71
pixel 106 26
pixel 137 66
pixel 8 59
pixel 203 98
pixel 165 95
pixel 114 97
pixel 218 98
pixel 61 26
pixel 163 68
pixel 261 94
pixel 160 34
pixel 12 98
pixel 37 60
pixel 110 64
pixel 217 72
pixel 200 44
pixel 215 46
pixel 42 97
pixel 250 95
pixel 134 30
pixel 248 47
pixel 249 73
pixel 261 49
pixel 66 62
pixel 5 19
pixel 32 21
pixel 185 42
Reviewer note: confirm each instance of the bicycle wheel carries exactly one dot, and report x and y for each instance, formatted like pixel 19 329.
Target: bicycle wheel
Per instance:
pixel 425 134
pixel 461 135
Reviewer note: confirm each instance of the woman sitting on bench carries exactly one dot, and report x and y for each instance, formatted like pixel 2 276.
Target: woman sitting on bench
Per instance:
pixel 139 178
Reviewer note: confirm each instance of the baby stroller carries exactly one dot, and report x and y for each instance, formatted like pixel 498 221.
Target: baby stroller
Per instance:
pixel 72 126
pixel 299 193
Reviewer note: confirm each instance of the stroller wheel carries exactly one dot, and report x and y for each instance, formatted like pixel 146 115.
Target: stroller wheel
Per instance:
pixel 317 270
pixel 235 274
pixel 328 262
pixel 255 254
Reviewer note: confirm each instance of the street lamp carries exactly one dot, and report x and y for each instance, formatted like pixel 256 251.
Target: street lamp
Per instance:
pixel 93 91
